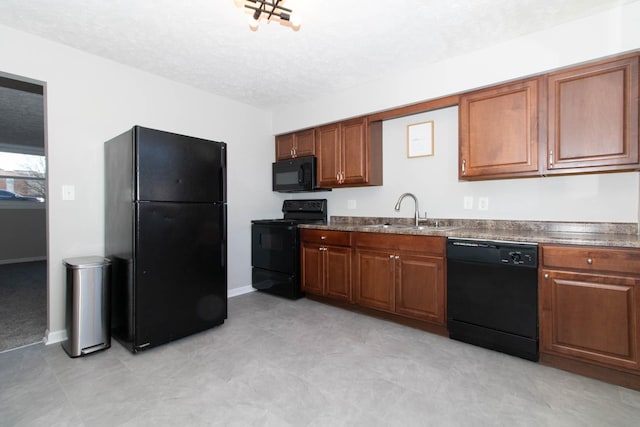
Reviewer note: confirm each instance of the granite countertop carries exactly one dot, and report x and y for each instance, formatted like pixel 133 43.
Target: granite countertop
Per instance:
pixel 572 233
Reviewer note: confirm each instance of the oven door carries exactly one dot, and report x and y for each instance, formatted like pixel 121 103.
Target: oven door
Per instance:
pixel 275 247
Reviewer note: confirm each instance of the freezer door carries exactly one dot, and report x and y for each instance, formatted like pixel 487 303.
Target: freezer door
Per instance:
pixel 181 280
pixel 177 168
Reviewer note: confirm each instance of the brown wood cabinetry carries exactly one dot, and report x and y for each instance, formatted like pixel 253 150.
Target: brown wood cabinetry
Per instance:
pixel 326 263
pixel 499 131
pixel 579 119
pixel 401 274
pixel 590 307
pixel 593 117
pixel 350 153
pixel 296 144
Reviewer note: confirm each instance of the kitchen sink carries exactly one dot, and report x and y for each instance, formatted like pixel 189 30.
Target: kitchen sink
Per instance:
pixel 413 227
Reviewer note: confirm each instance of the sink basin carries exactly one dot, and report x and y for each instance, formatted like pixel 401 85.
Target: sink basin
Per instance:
pixel 413 227
pixel 390 226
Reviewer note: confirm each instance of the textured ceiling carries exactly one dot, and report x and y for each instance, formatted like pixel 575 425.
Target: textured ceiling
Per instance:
pixel 208 44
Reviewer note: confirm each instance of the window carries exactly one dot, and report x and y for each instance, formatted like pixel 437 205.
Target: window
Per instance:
pixel 22 177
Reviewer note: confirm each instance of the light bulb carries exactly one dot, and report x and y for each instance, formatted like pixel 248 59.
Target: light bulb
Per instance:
pixel 253 23
pixel 295 21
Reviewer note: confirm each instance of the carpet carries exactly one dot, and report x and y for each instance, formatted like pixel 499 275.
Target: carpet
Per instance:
pixel 23 304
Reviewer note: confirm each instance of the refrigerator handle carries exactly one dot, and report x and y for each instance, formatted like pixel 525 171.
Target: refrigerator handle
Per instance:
pixel 223 173
pixel 223 235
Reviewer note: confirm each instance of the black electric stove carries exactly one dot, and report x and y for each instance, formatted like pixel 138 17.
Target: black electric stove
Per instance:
pixel 275 247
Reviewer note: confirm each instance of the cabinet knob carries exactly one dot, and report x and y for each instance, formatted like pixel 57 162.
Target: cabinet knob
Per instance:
pixel 323 237
pixel 546 275
pixel 589 261
pixel 390 256
pixel 397 257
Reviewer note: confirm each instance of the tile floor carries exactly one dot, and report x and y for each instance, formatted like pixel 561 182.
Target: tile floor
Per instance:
pixel 277 362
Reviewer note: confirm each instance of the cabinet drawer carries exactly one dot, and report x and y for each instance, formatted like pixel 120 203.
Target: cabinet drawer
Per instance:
pixel 422 244
pixel 625 261
pixel 326 237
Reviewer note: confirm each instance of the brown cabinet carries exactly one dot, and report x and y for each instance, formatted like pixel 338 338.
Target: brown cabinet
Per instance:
pixel 401 274
pixel 499 132
pixel 590 305
pixel 579 119
pixel 593 117
pixel 350 153
pixel 326 263
pixel 296 144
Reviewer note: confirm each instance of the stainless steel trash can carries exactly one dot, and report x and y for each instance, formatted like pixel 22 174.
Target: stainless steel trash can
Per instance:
pixel 88 311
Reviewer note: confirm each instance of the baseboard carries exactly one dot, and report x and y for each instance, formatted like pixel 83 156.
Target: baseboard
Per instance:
pixel 19 260
pixel 240 291
pixel 52 337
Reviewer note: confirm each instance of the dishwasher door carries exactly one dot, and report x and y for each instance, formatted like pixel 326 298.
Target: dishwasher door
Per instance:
pixel 492 295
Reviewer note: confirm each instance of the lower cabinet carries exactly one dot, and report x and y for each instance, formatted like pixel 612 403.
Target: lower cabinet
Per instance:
pixel 590 305
pixel 326 263
pixel 401 274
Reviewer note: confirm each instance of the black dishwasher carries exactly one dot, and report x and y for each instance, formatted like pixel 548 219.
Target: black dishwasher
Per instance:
pixel 492 295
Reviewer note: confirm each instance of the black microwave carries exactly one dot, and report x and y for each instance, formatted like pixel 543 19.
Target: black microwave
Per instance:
pixel 296 175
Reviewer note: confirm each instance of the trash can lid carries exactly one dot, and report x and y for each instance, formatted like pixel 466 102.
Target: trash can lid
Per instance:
pixel 86 261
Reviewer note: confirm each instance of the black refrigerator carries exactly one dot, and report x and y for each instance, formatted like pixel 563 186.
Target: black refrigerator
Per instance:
pixel 165 234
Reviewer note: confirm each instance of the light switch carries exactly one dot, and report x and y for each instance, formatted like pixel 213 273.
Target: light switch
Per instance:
pixel 68 192
pixel 468 202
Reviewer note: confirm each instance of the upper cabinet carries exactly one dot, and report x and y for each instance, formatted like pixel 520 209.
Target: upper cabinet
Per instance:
pixel 296 144
pixel 350 153
pixel 576 120
pixel 499 131
pixel 593 117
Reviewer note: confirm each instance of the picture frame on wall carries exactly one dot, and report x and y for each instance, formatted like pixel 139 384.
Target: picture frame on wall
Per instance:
pixel 420 139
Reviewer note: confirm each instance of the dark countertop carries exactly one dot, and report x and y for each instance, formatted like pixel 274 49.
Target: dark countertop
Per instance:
pixel 571 233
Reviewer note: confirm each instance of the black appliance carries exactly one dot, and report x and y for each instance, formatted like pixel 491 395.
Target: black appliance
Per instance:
pixel 165 233
pixel 296 175
pixel 275 247
pixel 492 295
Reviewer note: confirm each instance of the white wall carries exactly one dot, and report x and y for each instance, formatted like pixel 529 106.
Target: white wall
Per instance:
pixel 602 197
pixel 90 100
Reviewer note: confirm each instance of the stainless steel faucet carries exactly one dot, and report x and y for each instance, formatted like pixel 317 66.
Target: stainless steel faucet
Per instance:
pixel 415 199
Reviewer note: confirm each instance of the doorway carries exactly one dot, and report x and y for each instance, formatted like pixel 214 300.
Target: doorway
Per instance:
pixel 23 213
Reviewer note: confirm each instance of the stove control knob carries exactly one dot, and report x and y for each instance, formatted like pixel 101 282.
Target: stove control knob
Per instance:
pixel 516 257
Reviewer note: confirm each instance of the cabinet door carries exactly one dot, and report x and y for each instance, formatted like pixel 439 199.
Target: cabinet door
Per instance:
pixel 284 146
pixel 312 271
pixel 590 317
pixel 593 117
pixel 338 273
pixel 375 279
pixel 305 143
pixel 499 131
pixel 329 156
pixel 354 152
pixel 420 288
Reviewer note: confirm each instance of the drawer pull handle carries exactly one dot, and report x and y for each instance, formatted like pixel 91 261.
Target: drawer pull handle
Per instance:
pixel 323 237
pixel 390 256
pixel 546 275
pixel 589 261
pixel 397 257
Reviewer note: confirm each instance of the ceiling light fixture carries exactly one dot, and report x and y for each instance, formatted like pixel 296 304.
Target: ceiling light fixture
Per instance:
pixel 268 9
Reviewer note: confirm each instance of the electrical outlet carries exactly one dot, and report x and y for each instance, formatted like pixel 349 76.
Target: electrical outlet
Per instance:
pixel 351 204
pixel 468 202
pixel 483 203
pixel 68 192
